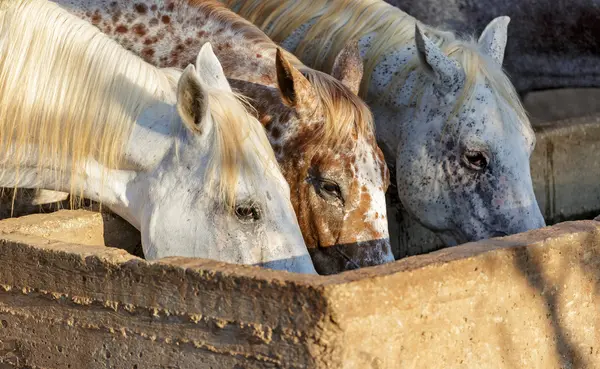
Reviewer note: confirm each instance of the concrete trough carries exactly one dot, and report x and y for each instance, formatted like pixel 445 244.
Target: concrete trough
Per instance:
pixel 565 168
pixel 70 300
pixel 66 301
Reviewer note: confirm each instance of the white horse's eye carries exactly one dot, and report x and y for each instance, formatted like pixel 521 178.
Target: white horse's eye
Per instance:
pixel 476 160
pixel 248 213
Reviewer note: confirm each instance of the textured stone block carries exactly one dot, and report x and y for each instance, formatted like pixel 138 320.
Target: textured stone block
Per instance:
pixel 525 301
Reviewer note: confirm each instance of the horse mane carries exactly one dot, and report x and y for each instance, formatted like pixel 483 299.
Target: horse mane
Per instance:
pixel 335 22
pixel 233 125
pixel 69 93
pixel 341 106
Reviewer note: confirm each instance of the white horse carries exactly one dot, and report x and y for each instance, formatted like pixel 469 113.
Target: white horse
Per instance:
pixel 448 118
pixel 174 153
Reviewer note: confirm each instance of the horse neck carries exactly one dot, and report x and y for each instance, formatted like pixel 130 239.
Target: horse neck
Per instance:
pixel 170 34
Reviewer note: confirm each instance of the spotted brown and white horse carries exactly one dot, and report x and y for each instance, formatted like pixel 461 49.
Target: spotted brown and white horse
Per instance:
pixel 175 153
pixel 448 119
pixel 322 133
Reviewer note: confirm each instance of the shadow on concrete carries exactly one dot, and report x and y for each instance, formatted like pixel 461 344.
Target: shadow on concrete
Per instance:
pixel 570 354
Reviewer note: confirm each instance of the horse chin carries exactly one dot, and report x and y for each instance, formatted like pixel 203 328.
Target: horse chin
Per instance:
pixel 299 264
pixel 341 257
pixel 452 237
pixel 457 237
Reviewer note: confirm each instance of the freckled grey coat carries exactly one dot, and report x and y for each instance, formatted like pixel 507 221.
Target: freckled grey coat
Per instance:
pixel 551 43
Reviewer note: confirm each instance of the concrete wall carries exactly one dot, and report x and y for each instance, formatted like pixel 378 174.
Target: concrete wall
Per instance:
pixel 560 104
pixel 565 168
pixel 525 301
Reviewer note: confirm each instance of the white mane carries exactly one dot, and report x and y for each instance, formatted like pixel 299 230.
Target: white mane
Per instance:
pixel 69 93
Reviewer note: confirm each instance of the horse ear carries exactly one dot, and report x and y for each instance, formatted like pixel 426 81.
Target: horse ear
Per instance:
pixel 348 66
pixel 492 41
pixel 192 100
pixel 295 89
pixel 210 69
pixel 445 71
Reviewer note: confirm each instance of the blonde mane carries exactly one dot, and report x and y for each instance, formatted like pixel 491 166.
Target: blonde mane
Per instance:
pixel 234 125
pixel 69 93
pixel 336 22
pixel 341 106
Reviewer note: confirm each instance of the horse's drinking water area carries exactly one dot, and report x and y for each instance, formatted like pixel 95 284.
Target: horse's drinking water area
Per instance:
pixel 529 300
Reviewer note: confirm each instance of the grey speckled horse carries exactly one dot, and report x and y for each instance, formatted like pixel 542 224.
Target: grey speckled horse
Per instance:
pixel 553 43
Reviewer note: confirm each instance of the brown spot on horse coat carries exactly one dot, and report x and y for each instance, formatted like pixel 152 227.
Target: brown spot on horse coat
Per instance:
pixel 141 8
pixel 150 40
pixel 121 28
pixel 147 53
pixel 96 18
pixel 139 29
pixel 165 19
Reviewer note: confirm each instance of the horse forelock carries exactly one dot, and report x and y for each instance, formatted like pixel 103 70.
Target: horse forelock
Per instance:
pixel 241 146
pixel 346 116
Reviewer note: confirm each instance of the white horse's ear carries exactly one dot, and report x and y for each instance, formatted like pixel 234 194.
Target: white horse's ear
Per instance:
pixel 446 72
pixel 295 89
pixel 348 67
pixel 492 41
pixel 210 69
pixel 192 100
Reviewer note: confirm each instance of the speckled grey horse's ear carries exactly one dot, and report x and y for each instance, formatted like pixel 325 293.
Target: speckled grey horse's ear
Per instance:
pixel 492 41
pixel 348 67
pixel 447 74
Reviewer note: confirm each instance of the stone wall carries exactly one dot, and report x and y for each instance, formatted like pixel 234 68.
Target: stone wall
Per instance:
pixel 525 301
pixel 565 168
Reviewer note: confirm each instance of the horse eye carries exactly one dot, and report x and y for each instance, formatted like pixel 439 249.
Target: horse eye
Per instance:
pixel 476 160
pixel 331 189
pixel 248 213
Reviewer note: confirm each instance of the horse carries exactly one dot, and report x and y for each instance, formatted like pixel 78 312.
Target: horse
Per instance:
pixel 553 44
pixel 448 119
pixel 175 153
pixel 322 133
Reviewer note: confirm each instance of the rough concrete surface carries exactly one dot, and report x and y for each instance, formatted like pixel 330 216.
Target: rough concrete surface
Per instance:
pixel 565 168
pixel 78 226
pixel 525 301
pixel 559 104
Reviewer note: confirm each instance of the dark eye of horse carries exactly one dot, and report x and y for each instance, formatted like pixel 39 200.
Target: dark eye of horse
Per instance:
pixel 330 188
pixel 248 213
pixel 476 160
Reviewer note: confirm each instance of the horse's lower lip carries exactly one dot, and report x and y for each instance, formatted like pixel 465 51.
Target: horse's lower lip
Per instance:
pixel 498 234
pixel 342 257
